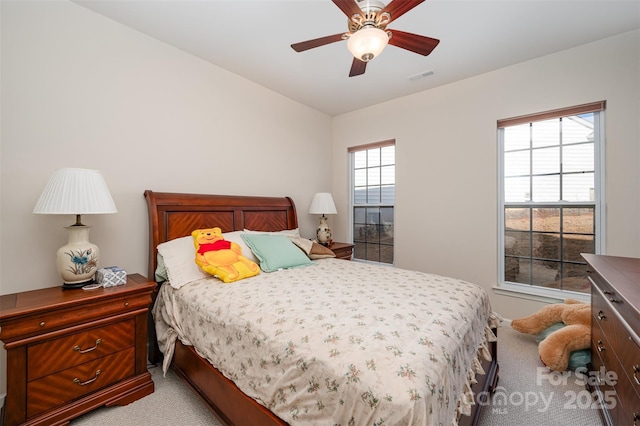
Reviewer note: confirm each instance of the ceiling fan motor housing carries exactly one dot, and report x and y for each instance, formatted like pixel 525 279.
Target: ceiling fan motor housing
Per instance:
pixel 367 37
pixel 370 16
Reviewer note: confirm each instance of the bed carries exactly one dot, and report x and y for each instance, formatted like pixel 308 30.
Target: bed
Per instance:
pixel 334 342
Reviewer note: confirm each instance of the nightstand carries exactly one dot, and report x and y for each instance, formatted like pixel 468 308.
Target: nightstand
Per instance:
pixel 70 351
pixel 342 250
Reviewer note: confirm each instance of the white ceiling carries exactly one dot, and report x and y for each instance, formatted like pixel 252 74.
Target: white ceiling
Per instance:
pixel 253 38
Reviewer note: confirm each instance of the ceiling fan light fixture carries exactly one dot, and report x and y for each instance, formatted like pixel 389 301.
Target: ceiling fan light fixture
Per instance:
pixel 367 43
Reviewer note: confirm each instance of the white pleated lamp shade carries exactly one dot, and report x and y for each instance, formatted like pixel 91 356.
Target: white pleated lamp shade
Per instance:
pixel 322 203
pixel 75 191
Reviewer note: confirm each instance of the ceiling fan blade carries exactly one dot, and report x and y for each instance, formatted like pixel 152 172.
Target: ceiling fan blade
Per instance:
pixel 310 44
pixel 397 8
pixel 348 7
pixel 358 67
pixel 413 42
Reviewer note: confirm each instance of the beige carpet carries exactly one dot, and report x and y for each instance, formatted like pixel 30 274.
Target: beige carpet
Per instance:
pixel 172 403
pixel 526 396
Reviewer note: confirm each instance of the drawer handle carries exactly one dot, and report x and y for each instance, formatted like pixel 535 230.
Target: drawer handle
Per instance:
pixel 611 298
pixel 84 351
pixel 601 316
pixel 600 346
pixel 78 382
pixel 636 370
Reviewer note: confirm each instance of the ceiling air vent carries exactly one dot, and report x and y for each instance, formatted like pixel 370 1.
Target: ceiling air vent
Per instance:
pixel 420 75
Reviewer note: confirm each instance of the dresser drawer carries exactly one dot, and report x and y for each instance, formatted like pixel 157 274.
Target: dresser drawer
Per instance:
pixel 628 387
pixel 607 397
pixel 72 383
pixel 615 394
pixel 608 293
pixel 604 359
pixel 74 349
pixel 604 314
pixel 629 357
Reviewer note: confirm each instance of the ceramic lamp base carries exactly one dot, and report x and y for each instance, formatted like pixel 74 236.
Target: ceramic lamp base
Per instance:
pixel 77 261
pixel 323 233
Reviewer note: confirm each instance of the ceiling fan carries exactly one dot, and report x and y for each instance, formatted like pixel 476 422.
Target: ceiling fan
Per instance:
pixel 368 34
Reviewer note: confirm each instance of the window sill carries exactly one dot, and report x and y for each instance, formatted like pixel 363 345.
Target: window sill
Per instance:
pixel 539 294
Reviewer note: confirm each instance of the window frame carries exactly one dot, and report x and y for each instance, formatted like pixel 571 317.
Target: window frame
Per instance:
pixel 534 292
pixel 352 205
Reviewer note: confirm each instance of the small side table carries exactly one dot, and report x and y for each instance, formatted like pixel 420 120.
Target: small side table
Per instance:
pixel 342 250
pixel 70 351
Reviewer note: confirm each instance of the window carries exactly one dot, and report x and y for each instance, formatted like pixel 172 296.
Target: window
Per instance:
pixel 551 201
pixel 373 196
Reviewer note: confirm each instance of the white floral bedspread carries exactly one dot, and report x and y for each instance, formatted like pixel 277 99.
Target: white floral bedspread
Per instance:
pixel 339 342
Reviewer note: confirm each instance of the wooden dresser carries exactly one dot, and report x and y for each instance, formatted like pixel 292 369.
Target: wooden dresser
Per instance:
pixel 70 351
pixel 615 344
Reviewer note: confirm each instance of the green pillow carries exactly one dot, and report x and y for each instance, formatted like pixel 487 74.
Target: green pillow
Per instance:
pixel 275 251
pixel 577 358
pixel 161 270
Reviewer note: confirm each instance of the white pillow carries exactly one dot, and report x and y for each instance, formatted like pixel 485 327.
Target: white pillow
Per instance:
pixel 235 237
pixel 179 256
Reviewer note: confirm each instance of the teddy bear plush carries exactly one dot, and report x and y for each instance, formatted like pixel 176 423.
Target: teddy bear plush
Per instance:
pixel 557 347
pixel 221 258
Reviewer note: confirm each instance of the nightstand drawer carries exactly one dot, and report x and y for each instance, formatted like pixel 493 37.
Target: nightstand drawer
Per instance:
pixel 76 315
pixel 68 351
pixel 342 250
pixel 345 254
pixel 67 385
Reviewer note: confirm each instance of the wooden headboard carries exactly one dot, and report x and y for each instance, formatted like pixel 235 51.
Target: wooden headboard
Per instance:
pixel 174 215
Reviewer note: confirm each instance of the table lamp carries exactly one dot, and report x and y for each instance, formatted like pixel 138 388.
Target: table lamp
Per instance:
pixel 78 192
pixel 322 203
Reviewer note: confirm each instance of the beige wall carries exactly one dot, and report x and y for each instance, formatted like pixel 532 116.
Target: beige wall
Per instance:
pixel 446 211
pixel 79 90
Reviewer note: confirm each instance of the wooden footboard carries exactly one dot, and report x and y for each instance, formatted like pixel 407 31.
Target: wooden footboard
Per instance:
pixel 486 385
pixel 229 403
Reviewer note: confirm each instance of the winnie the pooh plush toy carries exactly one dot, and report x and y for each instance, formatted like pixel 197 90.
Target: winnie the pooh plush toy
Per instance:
pixel 557 347
pixel 221 258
